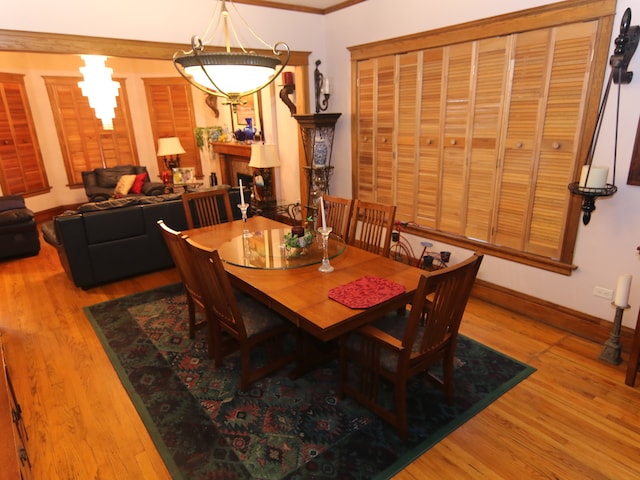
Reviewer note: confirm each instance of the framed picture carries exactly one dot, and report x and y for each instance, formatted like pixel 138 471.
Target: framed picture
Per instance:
pixel 184 175
pixel 246 110
pixel 634 167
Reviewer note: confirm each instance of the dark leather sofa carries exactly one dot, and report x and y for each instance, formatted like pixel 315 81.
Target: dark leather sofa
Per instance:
pixel 107 241
pixel 18 231
pixel 99 183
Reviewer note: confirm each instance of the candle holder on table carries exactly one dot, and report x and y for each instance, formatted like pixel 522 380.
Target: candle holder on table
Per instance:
pixel 326 266
pixel 243 208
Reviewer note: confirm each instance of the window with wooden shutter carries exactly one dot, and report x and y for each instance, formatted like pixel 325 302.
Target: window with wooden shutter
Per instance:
pixel 84 142
pixel 487 129
pixel 21 167
pixel 171 113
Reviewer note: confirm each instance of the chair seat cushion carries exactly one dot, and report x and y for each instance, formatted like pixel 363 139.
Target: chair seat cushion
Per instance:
pixel 257 317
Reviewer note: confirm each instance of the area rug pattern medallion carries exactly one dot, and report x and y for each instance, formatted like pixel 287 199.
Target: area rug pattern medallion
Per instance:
pixel 205 428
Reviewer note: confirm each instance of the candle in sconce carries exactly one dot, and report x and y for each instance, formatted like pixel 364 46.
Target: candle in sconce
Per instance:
pixel 597 177
pixel 324 219
pixel 622 291
pixel 241 193
pixel 287 78
pixel 326 89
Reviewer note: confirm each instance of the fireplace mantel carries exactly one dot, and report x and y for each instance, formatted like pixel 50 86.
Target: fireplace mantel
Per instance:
pixel 234 158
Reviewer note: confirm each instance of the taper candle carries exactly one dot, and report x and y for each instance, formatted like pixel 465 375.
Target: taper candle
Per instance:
pixel 324 220
pixel 241 193
pixel 622 291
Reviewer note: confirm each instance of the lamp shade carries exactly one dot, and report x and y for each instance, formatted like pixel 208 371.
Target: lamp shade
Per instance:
pixel 264 155
pixel 169 146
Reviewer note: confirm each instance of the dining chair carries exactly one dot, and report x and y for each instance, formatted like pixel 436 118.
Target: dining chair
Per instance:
pixel 247 322
pixel 400 346
pixel 371 226
pixel 207 207
pixel 177 246
pixel 338 214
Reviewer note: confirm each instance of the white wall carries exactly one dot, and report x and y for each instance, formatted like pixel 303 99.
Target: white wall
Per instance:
pixel 605 248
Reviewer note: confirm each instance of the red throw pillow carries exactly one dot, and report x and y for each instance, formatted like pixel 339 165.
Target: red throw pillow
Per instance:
pixel 138 182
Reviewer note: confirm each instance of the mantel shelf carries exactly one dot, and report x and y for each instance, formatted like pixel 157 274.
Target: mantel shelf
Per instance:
pixel 236 149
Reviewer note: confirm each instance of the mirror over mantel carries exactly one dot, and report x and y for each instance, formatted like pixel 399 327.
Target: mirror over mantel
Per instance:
pixel 17 41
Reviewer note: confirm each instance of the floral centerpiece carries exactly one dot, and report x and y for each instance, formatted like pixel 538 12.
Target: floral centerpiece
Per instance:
pixel 298 240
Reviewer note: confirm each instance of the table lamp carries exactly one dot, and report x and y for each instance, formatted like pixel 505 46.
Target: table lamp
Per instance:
pixel 170 149
pixel 264 157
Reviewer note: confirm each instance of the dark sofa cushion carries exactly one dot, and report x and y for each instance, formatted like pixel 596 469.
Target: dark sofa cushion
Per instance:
pixel 11 202
pixel 110 225
pixel 108 177
pixel 14 216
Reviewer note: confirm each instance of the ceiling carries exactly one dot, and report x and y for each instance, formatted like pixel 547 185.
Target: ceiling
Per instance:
pixel 309 6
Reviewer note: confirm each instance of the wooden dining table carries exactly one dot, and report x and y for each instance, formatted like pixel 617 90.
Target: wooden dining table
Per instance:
pixel 302 294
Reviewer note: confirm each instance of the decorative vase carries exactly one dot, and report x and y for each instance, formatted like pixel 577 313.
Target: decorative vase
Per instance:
pixel 249 130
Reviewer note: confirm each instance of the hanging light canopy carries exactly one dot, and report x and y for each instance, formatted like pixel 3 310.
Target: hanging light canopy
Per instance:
pixel 99 88
pixel 229 74
pixel 593 178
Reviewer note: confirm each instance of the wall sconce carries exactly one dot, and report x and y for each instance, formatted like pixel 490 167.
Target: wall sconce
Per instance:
pixel 322 89
pixel 593 179
pixel 99 88
pixel 288 88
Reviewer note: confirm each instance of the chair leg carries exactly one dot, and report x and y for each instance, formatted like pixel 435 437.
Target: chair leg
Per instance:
pixel 447 376
pixel 192 316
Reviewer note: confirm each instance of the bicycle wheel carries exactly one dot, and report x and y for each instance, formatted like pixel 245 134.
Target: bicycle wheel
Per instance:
pixel 400 253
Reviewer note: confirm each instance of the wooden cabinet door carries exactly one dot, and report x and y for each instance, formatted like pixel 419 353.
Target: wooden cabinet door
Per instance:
pixel 21 166
pixel 454 132
pixel 429 141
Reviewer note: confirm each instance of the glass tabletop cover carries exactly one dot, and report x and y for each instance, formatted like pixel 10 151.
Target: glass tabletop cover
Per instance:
pixel 277 249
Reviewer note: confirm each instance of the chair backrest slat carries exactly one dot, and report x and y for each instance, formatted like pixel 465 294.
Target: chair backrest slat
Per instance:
pixel 438 306
pixel 217 290
pixel 208 207
pixel 371 226
pixel 338 214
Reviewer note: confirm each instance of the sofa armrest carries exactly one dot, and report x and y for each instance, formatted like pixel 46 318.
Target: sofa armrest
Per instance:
pixel 72 236
pixel 153 188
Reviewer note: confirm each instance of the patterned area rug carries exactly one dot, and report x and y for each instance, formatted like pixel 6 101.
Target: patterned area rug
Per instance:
pixel 279 429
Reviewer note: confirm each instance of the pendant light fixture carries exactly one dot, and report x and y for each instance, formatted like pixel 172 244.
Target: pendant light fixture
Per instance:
pixel 593 178
pixel 229 74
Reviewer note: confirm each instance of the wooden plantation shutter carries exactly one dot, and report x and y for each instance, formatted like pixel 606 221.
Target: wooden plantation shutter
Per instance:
pixel 21 167
pixel 84 142
pixel 171 113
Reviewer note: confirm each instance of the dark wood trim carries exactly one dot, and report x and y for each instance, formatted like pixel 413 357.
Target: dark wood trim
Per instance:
pixel 42 42
pixel 568 320
pixel 301 8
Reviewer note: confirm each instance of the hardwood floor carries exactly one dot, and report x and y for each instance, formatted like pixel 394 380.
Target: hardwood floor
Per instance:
pixel 573 418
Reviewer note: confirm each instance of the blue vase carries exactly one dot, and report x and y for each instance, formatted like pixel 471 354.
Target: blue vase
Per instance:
pixel 249 130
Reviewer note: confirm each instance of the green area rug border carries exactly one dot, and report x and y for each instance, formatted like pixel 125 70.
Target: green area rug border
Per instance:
pixel 438 435
pixel 401 462
pixel 138 403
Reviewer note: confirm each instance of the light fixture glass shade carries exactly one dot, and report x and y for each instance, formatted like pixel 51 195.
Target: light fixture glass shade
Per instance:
pixel 169 146
pixel 99 88
pixel 231 75
pixel 264 155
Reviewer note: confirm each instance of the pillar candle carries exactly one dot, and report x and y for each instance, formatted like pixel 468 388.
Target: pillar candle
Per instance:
pixel 324 220
pixel 241 193
pixel 622 290
pixel 287 78
pixel 597 177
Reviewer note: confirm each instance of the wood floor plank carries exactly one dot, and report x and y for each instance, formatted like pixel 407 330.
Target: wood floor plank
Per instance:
pixel 573 418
